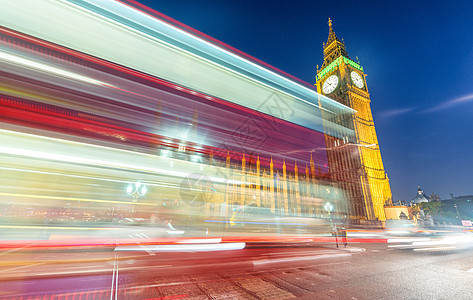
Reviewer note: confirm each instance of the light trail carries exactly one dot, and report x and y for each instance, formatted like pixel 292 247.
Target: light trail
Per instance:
pixel 46 68
pixel 144 15
pixel 435 249
pixel 184 247
pixel 78 14
pixel 260 262
pixel 258 223
pixel 75 199
pixel 167 185
pixel 57 227
pixel 54 155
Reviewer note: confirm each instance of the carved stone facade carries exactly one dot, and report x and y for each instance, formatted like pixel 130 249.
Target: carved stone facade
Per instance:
pixel 286 191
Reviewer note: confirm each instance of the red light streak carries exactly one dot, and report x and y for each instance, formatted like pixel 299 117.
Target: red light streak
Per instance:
pixel 191 94
pixel 257 240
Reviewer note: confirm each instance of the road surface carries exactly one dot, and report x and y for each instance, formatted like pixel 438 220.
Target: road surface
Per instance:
pixel 259 273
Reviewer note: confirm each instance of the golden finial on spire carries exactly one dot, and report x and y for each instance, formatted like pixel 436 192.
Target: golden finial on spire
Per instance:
pixel 330 22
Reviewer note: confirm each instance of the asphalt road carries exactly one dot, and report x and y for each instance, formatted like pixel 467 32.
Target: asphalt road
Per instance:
pixel 267 273
pixel 381 273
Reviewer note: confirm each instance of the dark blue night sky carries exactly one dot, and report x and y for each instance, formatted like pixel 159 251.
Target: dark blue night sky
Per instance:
pixel 418 56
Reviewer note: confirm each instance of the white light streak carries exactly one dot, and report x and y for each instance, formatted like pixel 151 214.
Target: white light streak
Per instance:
pixel 184 248
pixel 241 59
pixel 46 68
pixel 294 259
pixel 435 249
pixel 56 156
pixel 354 234
pixel 167 185
pixel 408 240
pixel 175 232
pixel 433 243
pixel 199 40
pixel 201 241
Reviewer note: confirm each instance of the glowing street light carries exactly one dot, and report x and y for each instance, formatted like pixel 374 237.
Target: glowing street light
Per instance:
pixel 136 190
pixel 329 208
pixel 458 214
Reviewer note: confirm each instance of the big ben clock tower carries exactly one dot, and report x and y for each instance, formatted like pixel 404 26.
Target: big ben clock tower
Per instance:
pixel 356 162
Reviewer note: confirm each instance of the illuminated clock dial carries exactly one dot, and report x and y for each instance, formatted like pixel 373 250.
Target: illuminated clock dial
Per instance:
pixel 330 84
pixel 357 80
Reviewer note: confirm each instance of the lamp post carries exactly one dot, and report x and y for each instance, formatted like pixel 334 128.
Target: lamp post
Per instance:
pixel 329 208
pixel 136 190
pixel 458 214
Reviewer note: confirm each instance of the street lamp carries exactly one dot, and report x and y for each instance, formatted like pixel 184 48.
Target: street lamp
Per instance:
pixel 458 214
pixel 136 190
pixel 329 208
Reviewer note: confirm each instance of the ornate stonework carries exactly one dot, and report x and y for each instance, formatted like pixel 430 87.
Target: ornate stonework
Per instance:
pixel 360 159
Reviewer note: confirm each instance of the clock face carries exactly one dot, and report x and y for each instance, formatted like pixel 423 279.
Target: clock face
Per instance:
pixel 330 84
pixel 357 80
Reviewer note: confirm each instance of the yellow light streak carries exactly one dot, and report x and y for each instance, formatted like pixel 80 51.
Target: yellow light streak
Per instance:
pixel 167 185
pixel 76 199
pixel 57 228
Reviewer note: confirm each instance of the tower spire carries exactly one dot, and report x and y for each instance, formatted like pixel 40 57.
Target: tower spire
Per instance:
pixel 334 47
pixel 332 37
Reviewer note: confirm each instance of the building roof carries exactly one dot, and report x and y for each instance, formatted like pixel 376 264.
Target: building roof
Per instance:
pixel 420 197
pixel 331 35
pixel 334 51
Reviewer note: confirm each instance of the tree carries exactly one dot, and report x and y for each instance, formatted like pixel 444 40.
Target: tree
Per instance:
pixel 414 211
pixel 432 208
